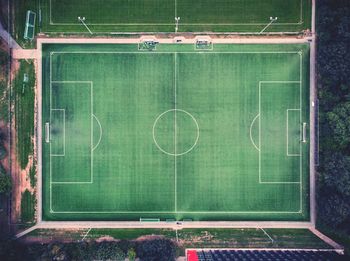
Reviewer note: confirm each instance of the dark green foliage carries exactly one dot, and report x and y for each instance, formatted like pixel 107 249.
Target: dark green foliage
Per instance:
pixel 108 251
pixel 5 182
pixel 11 250
pixel 156 250
pixel 336 174
pixel 333 64
pixel 3 152
pixel 32 176
pixel 27 207
pixel 131 254
pixel 3 85
pixel 335 211
pixel 3 58
pixel 24 111
pixel 339 124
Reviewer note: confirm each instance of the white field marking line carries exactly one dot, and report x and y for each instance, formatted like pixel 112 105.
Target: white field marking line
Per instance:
pixel 260 179
pixel 175 11
pixel 51 23
pixel 263 230
pixel 168 24
pixel 300 53
pixel 64 134
pixel 177 212
pixel 250 132
pixel 50 167
pixel 175 142
pixel 87 232
pixel 287 136
pixel 301 120
pixel 167 52
pixel 91 139
pixel 99 124
pixel 184 212
pixel 154 135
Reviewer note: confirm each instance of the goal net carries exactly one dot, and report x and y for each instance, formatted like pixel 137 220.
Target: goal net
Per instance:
pixel 204 44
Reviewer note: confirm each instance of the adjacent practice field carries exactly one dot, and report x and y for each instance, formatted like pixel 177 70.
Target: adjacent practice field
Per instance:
pixel 159 15
pixel 175 133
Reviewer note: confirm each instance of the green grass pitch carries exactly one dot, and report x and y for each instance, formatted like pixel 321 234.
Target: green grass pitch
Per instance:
pixel 175 133
pixel 159 15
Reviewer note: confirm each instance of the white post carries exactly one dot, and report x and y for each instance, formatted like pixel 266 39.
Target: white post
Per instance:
pixel 270 23
pixel 82 21
pixel 177 19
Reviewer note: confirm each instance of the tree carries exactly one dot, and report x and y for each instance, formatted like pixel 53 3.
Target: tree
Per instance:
pixel 3 152
pixel 108 251
pixel 156 250
pixel 131 254
pixel 339 124
pixel 5 182
pixel 336 174
pixel 334 210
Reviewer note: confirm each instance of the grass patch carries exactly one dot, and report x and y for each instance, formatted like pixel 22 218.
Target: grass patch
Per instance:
pixel 158 16
pixel 223 238
pixel 128 234
pixel 20 8
pixel 198 237
pixel 24 111
pixel 32 176
pixel 3 86
pixel 3 101
pixel 295 238
pixel 150 182
pixel 27 207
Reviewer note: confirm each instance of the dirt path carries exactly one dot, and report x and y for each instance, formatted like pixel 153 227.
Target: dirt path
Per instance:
pixel 24 53
pixel 20 177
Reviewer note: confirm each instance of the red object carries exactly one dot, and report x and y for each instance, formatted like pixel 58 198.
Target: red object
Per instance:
pixel 192 255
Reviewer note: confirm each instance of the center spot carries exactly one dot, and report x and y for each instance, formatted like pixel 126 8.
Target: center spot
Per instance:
pixel 175 132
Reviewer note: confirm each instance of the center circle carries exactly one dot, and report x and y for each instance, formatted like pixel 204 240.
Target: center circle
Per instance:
pixel 175 132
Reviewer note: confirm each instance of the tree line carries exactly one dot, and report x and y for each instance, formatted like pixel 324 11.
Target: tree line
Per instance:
pixel 333 84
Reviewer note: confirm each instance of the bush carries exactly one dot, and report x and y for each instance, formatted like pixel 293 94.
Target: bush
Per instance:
pixel 5 182
pixel 3 152
pixel 108 251
pixel 334 210
pixel 131 254
pixel 333 66
pixel 339 124
pixel 336 174
pixel 156 250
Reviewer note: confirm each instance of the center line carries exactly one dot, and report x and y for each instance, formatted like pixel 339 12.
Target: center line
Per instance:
pixel 175 142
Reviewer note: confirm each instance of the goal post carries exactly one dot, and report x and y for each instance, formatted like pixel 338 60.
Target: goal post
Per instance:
pixel 47 132
pixel 203 44
pixel 29 29
pixel 149 219
pixel 148 45
pixel 304 132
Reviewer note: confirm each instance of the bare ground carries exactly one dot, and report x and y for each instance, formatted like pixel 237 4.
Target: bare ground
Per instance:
pixel 20 177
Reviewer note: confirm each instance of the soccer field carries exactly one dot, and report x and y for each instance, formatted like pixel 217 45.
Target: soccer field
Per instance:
pixel 175 133
pixel 159 15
